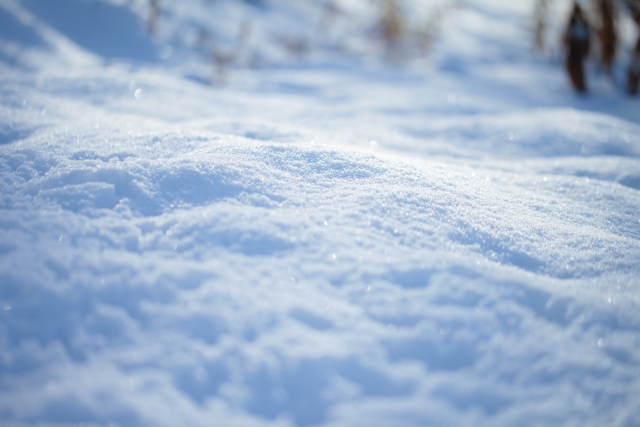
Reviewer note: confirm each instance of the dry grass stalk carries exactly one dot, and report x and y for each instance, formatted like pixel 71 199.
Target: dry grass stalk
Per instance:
pixel 633 74
pixel 154 16
pixel 577 42
pixel 297 47
pixel 540 20
pixel 634 70
pixel 221 62
pixel 223 59
pixel 607 33
pixel 393 28
pixel 330 13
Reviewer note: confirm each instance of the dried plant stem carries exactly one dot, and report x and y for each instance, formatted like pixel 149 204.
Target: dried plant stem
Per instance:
pixel 392 27
pixel 154 15
pixel 540 22
pixel 607 33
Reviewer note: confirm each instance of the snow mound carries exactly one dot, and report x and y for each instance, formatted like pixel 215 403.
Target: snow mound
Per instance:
pixel 254 281
pixel 314 243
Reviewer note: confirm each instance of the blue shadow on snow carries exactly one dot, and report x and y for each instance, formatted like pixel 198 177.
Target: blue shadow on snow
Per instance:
pixel 104 29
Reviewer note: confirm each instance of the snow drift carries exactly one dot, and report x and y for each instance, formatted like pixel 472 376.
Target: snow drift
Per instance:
pixel 328 244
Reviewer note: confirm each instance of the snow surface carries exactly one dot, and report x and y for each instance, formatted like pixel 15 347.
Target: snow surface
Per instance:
pixel 328 240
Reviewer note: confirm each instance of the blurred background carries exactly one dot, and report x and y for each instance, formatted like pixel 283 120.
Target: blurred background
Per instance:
pixel 208 39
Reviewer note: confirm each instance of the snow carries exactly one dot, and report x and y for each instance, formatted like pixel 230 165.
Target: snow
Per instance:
pixel 328 240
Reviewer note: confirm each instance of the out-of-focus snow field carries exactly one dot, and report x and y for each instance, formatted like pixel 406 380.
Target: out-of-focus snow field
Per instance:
pixel 324 240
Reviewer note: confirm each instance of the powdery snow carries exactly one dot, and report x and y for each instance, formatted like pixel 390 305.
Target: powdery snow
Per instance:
pixel 332 242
